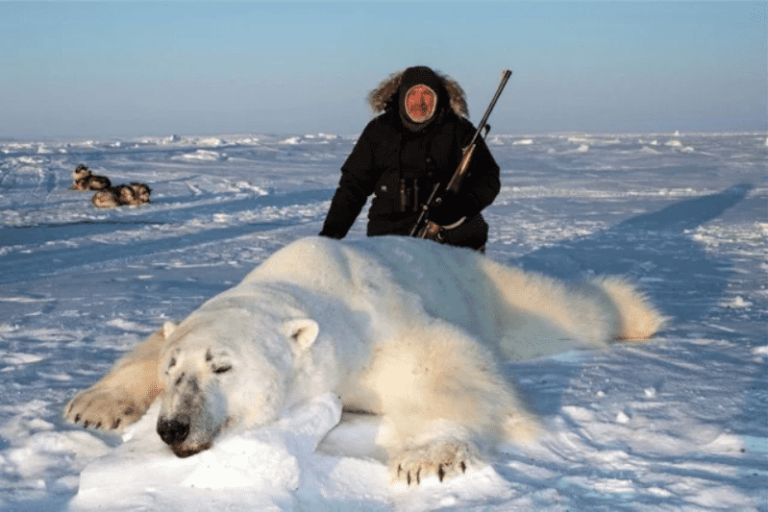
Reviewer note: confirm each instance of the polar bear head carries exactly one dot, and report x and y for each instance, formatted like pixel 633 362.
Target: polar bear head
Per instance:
pixel 227 372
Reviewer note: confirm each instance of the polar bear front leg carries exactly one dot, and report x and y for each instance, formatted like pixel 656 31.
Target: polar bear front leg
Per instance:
pixel 441 394
pixel 126 392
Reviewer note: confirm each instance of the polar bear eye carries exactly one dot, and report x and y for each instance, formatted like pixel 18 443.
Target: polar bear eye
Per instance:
pixel 222 369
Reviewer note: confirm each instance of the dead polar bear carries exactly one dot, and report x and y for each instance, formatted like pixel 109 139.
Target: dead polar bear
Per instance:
pixel 403 328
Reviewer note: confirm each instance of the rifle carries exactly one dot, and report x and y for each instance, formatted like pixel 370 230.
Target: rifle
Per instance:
pixel 425 228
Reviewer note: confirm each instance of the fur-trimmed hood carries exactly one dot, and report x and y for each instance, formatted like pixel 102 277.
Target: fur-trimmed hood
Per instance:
pixel 385 95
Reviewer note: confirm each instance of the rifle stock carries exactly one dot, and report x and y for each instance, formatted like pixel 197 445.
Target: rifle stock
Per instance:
pixel 425 228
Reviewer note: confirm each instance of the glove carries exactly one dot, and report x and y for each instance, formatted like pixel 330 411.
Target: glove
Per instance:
pixel 451 207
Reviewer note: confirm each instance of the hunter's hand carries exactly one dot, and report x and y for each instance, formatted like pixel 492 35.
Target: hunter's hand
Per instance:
pixel 451 207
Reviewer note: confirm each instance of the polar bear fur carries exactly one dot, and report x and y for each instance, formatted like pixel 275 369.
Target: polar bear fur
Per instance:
pixel 398 327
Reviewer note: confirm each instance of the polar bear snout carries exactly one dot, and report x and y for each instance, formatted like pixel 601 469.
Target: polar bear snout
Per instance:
pixel 185 435
pixel 173 432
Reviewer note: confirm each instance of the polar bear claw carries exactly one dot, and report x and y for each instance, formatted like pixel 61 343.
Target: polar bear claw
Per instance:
pixel 103 409
pixel 443 459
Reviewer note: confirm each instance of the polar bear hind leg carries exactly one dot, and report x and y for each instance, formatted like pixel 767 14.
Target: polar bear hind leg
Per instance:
pixel 441 397
pixel 126 392
pixel 542 316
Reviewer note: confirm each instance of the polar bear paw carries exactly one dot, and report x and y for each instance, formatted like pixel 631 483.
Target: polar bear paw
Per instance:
pixel 444 459
pixel 106 409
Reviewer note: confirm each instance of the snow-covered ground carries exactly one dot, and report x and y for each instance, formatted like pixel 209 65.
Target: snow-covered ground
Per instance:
pixel 678 423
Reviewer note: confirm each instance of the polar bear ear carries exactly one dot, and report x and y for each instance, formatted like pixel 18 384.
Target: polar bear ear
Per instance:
pixel 168 328
pixel 303 331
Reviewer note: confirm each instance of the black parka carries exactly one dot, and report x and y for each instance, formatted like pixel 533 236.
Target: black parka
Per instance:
pixel 401 167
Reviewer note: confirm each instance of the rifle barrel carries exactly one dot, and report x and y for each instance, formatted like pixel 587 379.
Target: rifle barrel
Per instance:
pixel 504 78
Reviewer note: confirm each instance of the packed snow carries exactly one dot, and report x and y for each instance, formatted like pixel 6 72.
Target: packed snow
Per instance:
pixel 676 423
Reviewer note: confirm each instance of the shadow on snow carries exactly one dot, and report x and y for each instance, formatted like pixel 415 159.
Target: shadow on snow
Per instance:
pixel 655 249
pixel 19 266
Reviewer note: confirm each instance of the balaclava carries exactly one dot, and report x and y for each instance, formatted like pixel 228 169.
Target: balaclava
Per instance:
pixel 418 97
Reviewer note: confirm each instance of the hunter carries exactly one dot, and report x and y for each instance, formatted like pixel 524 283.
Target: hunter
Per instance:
pixel 403 153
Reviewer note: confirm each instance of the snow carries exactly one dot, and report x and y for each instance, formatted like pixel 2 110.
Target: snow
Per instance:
pixel 677 423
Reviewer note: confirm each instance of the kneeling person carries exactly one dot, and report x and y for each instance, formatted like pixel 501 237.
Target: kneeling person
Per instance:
pixel 403 153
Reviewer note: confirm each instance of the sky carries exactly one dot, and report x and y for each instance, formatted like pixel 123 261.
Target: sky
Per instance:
pixel 127 69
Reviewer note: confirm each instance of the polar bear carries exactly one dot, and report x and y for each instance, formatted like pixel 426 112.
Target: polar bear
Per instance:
pixel 406 329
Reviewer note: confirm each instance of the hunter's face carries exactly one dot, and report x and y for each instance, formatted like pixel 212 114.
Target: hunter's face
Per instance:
pixel 420 103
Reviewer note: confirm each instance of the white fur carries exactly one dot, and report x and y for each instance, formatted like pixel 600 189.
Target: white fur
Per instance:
pixel 403 328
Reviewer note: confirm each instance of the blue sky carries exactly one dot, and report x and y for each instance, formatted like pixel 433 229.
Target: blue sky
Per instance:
pixel 116 69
